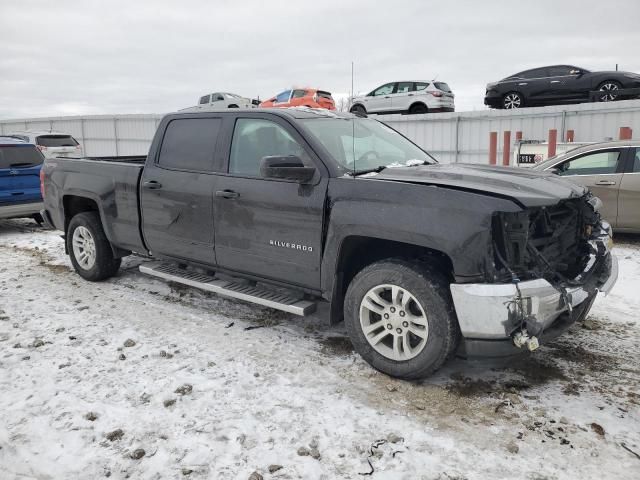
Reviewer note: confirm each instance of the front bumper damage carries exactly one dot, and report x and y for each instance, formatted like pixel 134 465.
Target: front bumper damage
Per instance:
pixel 505 318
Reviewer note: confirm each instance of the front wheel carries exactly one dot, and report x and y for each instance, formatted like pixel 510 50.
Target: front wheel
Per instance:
pixel 358 110
pixel 400 318
pixel 89 249
pixel 512 100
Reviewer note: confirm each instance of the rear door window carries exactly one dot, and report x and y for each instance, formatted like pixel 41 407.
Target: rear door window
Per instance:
pixel 598 163
pixel 535 73
pixel 405 87
pixel 636 162
pixel 299 93
pixel 421 85
pixel 189 144
pixel 56 141
pixel 19 156
pixel 560 71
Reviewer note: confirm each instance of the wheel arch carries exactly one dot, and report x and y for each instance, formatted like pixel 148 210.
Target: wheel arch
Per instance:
pixel 356 252
pixel 418 103
pixel 73 204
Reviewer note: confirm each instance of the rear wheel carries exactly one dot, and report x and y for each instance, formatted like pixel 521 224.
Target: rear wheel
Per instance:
pixel 89 248
pixel 512 100
pixel 608 89
pixel 233 105
pixel 400 318
pixel 418 108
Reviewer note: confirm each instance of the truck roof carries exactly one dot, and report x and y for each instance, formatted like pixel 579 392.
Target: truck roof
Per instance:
pixel 290 112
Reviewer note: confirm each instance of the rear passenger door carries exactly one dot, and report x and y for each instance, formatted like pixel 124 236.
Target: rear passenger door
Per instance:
pixel 629 196
pixel 601 171
pixel 176 190
pixel 403 97
pixel 269 228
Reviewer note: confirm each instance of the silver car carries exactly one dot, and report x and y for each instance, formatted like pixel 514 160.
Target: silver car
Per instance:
pixel 611 170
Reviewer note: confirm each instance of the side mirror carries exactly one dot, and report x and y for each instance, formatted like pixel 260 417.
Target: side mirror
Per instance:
pixel 286 168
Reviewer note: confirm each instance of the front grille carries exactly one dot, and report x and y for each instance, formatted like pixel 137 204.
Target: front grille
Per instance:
pixel 546 242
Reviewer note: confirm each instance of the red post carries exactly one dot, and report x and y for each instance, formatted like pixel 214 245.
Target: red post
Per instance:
pixel 570 136
pixel 553 142
pixel 506 148
pixel 518 136
pixel 493 148
pixel 626 133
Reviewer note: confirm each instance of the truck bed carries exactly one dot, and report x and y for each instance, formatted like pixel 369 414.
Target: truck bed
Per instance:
pixel 111 182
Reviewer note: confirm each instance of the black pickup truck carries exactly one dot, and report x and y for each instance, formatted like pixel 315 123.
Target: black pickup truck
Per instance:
pixel 289 207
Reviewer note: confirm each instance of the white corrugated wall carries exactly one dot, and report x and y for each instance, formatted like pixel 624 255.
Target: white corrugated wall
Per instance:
pixel 451 137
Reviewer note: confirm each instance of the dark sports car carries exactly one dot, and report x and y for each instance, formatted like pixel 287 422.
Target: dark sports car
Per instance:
pixel 558 84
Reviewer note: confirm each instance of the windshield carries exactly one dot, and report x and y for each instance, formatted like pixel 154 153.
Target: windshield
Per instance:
pixel 358 144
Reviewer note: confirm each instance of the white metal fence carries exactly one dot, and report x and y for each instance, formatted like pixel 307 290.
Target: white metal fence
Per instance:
pixel 451 137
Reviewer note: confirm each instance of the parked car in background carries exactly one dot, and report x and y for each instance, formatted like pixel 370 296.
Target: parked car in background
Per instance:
pixel 225 100
pixel 529 153
pixel 20 164
pixel 301 97
pixel 611 170
pixel 51 144
pixel 558 84
pixel 406 97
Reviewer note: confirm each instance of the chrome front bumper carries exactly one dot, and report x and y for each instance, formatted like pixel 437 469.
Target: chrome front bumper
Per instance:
pixel 495 311
pixel 489 311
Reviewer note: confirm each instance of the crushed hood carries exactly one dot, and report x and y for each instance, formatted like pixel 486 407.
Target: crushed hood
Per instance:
pixel 529 188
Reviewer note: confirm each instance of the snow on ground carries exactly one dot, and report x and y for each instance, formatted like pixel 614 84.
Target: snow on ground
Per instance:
pixel 266 387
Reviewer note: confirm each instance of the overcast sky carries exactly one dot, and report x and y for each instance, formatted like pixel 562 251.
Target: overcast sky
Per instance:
pixel 92 57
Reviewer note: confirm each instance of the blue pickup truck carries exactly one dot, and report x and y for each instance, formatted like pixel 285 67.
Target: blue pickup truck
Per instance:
pixel 20 164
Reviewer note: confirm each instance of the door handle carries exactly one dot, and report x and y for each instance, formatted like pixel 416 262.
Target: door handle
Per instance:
pixel 152 185
pixel 523 83
pixel 554 81
pixel 387 96
pixel 410 95
pixel 227 194
pixel 605 182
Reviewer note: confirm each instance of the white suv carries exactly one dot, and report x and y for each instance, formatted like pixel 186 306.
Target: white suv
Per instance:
pixel 51 144
pixel 406 97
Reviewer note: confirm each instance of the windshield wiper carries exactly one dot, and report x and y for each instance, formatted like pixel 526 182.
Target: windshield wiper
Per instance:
pixel 377 169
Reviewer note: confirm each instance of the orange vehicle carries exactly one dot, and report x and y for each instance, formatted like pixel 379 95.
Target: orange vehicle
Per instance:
pixel 301 97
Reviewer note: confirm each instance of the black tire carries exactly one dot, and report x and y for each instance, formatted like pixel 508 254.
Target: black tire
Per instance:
pixel 608 86
pixel 233 105
pixel 105 265
pixel 358 109
pixel 512 100
pixel 38 219
pixel 431 289
pixel 418 108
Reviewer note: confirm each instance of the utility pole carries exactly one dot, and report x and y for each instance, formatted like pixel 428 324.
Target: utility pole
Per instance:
pixel 351 96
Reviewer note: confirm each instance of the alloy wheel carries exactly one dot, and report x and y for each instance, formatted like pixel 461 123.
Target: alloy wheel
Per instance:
pixel 512 100
pixel 84 247
pixel 393 322
pixel 608 88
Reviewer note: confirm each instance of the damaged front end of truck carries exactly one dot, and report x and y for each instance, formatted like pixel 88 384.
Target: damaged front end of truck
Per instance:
pixel 549 264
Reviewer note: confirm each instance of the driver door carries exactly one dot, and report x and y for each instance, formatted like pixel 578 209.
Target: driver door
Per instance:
pixel 380 99
pixel 601 172
pixel 265 227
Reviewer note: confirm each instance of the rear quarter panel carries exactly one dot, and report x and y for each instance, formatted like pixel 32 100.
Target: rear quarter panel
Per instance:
pixel 112 186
